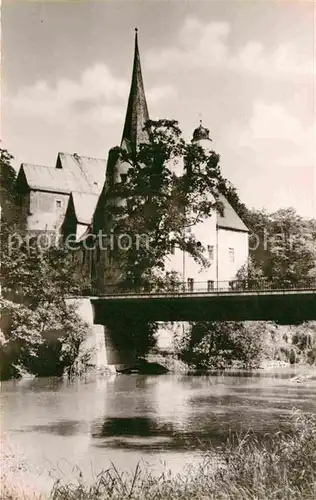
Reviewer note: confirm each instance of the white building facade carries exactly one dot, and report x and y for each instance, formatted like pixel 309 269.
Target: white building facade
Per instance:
pixel 223 237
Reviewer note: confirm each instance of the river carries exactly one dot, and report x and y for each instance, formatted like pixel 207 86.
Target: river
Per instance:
pixel 165 421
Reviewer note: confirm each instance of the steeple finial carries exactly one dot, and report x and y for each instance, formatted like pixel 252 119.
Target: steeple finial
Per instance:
pixel 137 111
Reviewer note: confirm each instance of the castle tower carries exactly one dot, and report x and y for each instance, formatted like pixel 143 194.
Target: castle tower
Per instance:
pixel 201 137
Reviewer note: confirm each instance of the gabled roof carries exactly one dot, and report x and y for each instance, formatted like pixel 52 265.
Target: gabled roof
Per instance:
pixel 229 218
pixel 84 206
pixel 89 173
pixel 72 173
pixel 137 110
pixel 44 178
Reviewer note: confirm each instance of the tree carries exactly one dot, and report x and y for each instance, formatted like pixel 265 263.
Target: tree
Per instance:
pixel 7 185
pixel 44 340
pixel 41 333
pixel 285 245
pixel 213 345
pixel 156 202
pixel 34 275
pixel 250 275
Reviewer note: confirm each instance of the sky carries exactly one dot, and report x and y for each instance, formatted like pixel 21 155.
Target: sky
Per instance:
pixel 247 69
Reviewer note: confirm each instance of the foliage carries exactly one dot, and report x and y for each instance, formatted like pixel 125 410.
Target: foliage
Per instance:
pixel 168 187
pixel 251 276
pixel 44 340
pixel 37 275
pixel 211 345
pixel 42 334
pixel 7 187
pixel 283 245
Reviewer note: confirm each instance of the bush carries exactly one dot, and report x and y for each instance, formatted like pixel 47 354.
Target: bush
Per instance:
pixel 44 341
pixel 218 345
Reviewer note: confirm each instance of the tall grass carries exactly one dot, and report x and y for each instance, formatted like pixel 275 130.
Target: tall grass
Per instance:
pixel 282 466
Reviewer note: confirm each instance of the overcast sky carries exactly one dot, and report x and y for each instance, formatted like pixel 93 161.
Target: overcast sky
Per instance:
pixel 246 68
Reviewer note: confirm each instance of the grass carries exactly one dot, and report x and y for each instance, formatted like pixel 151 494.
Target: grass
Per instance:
pixel 282 467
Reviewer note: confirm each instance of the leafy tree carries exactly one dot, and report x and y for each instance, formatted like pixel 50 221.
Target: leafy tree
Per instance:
pixel 250 276
pixel 169 186
pixel 213 345
pixel 286 245
pixel 41 333
pixel 44 340
pixel 34 275
pixel 7 185
pixel 44 333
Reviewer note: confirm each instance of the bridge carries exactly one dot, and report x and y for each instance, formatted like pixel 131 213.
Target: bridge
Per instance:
pixel 223 301
pixel 113 314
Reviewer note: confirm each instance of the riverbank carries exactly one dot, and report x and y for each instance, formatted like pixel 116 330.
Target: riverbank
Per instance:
pixel 282 467
pixel 174 365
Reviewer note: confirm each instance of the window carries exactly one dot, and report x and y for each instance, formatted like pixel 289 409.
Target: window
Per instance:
pixel 123 178
pixel 190 284
pixel 58 203
pixel 231 254
pixel 172 248
pixel 210 249
pixel 210 285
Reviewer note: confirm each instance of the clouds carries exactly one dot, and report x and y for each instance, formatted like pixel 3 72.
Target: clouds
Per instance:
pixel 96 95
pixel 84 114
pixel 96 88
pixel 274 159
pixel 274 130
pixel 207 45
pixel 252 85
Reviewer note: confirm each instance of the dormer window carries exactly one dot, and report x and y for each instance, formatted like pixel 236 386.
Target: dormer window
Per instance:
pixel 58 204
pixel 123 178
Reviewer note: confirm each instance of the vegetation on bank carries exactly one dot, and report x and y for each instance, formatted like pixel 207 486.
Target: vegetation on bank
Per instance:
pixel 282 467
pixel 40 333
pixel 205 346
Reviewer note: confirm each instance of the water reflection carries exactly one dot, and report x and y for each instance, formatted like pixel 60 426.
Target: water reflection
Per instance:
pixel 61 428
pixel 126 418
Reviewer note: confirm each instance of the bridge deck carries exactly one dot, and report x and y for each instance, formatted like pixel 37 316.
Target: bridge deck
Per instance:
pixel 280 305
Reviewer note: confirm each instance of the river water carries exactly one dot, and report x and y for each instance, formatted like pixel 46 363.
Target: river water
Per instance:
pixel 165 421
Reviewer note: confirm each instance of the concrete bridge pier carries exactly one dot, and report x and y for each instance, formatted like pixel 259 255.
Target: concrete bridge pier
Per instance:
pixel 103 343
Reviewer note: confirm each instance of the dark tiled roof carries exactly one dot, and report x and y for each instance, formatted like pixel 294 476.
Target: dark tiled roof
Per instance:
pixel 229 218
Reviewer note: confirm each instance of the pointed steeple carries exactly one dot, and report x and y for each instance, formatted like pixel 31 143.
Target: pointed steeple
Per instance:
pixel 137 111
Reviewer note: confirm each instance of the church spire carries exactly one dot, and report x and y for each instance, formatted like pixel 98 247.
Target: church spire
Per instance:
pixel 137 111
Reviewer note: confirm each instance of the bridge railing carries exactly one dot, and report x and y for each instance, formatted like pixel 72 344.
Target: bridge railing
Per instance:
pixel 236 286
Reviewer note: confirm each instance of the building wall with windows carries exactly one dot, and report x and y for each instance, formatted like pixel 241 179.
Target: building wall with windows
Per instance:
pixel 232 253
pixel 46 210
pixel 225 251
pixel 223 237
pixel 185 265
